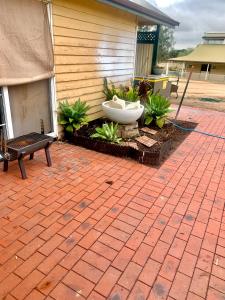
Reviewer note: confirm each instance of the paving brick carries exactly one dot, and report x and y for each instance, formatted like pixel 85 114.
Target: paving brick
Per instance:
pixel 118 234
pixel 96 260
pixel 139 291
pixel 8 284
pixel 69 228
pixel 177 248
pixel 72 257
pixel 180 287
pixel 150 272
pixel 123 258
pixel 30 248
pixel 31 234
pixel 51 261
pixel 118 292
pixel 111 242
pixel 209 242
pixel 199 283
pixel 89 239
pixel 29 265
pixel 103 224
pixel 160 289
pixel 35 295
pixel 214 294
pixel 205 260
pixel 187 264
pixel 168 234
pixel 152 236
pixel 218 271
pixel 104 250
pixel 88 271
pixel 135 240
pixel 160 251
pixel 130 275
pixel 63 292
pixel 142 254
pixel 71 241
pixel 51 280
pixel 95 296
pixel 51 244
pixel 108 281
pixel 193 245
pixel 11 250
pixel 169 267
pixel 27 285
pixel 79 284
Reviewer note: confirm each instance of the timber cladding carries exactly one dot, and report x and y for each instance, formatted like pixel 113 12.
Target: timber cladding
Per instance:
pixel 91 41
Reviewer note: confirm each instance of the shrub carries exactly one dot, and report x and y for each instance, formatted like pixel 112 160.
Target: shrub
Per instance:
pixel 123 92
pixel 107 132
pixel 156 109
pixel 73 116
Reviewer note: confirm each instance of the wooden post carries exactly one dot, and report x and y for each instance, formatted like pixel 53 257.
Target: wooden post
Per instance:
pixel 207 72
pixel 184 93
pixel 167 68
pixel 182 70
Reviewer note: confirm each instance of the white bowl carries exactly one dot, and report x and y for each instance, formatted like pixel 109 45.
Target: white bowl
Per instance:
pixel 122 116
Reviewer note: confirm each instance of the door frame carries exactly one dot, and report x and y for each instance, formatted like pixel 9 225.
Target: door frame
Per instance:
pixel 52 96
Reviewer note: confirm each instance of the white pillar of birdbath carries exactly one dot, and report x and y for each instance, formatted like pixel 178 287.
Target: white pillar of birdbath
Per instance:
pixel 207 72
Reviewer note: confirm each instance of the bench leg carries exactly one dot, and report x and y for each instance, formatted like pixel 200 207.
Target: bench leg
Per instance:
pixel 22 168
pixel 31 156
pixel 5 165
pixel 48 157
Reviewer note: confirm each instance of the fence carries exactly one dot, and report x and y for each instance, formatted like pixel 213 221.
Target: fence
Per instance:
pixel 202 77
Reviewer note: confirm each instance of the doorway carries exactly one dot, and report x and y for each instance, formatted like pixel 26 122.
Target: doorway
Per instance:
pixel 30 108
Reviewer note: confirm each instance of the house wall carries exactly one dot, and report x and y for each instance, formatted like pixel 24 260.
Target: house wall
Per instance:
pixel 218 69
pixel 91 41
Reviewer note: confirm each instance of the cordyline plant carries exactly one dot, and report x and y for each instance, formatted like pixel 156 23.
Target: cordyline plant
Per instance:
pixel 123 92
pixel 156 109
pixel 73 116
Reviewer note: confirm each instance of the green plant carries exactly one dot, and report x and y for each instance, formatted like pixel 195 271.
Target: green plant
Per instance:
pixel 156 109
pixel 123 92
pixel 73 116
pixel 107 132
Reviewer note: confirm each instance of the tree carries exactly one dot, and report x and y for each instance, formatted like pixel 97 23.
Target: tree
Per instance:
pixel 166 43
pixel 179 52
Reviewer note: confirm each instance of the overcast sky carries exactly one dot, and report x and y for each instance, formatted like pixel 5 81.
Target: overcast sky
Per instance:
pixel 195 17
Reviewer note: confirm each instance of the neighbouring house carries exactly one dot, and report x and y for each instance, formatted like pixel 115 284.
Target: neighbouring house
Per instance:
pixel 207 59
pixel 91 40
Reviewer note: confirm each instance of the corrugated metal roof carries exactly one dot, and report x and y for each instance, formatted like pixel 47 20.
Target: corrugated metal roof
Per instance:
pixel 205 53
pixel 147 13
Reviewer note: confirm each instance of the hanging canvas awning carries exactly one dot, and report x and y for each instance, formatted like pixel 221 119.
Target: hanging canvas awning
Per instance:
pixel 26 53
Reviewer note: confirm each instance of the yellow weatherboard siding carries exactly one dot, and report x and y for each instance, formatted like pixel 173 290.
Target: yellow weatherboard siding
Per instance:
pixel 91 41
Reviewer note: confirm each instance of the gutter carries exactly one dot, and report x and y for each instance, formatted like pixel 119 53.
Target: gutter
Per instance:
pixel 152 16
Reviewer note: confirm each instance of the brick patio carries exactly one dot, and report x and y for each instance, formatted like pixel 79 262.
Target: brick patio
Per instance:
pixel 99 227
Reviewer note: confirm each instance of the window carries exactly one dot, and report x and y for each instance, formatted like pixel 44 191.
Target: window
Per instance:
pixel 204 67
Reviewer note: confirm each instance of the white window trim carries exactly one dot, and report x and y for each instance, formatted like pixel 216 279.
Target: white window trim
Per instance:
pixel 53 81
pixel 7 112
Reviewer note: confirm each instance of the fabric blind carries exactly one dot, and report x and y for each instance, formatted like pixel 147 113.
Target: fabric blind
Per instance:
pixel 26 52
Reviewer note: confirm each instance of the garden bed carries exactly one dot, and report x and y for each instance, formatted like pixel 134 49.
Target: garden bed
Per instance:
pixel 167 140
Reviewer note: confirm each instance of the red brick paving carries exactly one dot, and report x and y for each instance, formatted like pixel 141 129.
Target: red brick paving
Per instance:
pixel 98 227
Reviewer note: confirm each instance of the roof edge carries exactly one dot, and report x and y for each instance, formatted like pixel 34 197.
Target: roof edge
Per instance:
pixel 154 15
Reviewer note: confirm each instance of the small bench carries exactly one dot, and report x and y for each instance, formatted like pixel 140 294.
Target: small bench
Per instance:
pixel 25 145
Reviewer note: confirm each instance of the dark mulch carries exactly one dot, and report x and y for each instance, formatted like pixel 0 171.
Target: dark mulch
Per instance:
pixel 168 139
